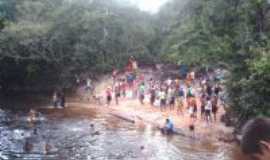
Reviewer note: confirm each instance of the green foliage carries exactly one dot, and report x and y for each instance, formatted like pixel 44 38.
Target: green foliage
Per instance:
pixel 7 9
pixel 2 24
pixel 250 92
pixel 234 32
pixel 73 36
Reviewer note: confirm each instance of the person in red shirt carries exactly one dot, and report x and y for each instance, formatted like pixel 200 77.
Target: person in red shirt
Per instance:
pixel 123 87
pixel 192 106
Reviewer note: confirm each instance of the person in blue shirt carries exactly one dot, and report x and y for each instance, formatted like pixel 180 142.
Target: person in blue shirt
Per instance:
pixel 168 128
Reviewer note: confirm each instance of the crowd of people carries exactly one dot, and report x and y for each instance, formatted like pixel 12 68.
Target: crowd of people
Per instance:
pixel 197 95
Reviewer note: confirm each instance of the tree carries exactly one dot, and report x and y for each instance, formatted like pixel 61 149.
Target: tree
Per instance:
pixel 234 32
pixel 72 36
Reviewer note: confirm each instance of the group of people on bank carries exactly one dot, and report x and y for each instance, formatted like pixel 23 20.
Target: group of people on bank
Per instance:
pixel 196 94
pixel 192 94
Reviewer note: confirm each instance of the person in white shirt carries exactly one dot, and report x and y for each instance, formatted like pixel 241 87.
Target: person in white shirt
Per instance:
pixel 208 110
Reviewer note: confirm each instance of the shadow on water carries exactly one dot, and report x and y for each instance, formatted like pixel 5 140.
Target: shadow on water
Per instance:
pixel 82 133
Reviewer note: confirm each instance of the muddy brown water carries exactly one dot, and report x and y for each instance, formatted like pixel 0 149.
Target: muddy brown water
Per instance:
pixel 77 133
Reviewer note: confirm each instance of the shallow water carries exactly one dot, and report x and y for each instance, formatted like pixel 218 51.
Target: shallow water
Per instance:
pixel 68 134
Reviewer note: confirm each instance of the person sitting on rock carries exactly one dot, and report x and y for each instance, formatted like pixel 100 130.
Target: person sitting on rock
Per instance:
pixel 168 128
pixel 255 143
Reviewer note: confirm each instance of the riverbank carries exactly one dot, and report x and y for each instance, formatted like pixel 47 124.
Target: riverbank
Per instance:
pixel 133 112
pixel 130 109
pixel 83 130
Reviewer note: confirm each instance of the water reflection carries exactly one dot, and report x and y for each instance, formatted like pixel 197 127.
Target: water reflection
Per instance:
pixel 78 133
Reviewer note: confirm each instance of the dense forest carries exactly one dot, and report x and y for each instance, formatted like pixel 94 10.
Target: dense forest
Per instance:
pixel 60 38
pixel 231 33
pixel 46 42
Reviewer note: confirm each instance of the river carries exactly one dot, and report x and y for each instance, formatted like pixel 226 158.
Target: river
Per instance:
pixel 78 133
